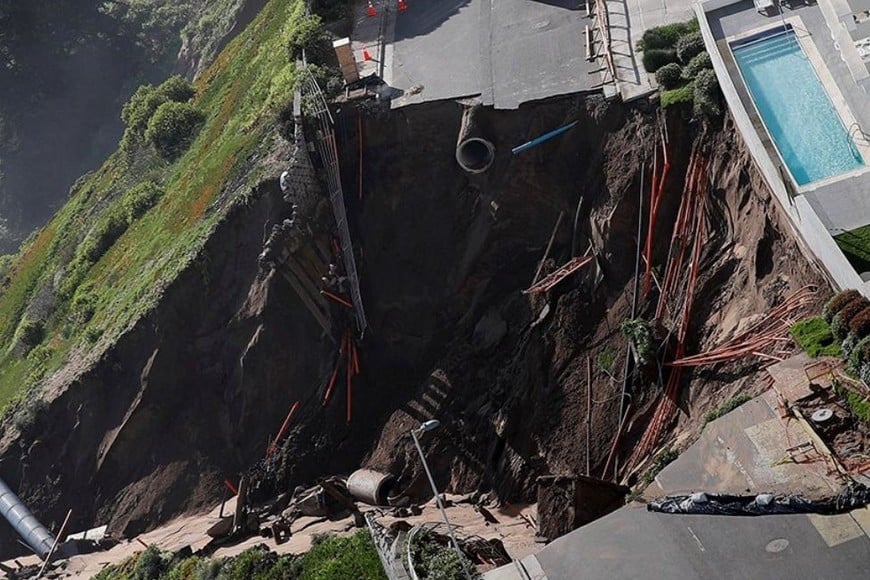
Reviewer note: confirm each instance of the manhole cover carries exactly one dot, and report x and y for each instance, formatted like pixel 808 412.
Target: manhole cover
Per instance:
pixel 822 415
pixel 777 545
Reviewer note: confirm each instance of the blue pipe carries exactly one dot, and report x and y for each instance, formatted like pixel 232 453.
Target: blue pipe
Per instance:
pixel 545 137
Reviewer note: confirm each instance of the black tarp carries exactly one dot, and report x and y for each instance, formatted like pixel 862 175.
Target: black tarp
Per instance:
pixel 853 496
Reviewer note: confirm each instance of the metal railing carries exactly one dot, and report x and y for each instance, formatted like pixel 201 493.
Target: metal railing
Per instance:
pixel 385 544
pixel 324 142
pixel 602 19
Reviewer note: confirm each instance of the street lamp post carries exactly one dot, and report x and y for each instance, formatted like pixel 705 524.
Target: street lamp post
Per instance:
pixel 431 425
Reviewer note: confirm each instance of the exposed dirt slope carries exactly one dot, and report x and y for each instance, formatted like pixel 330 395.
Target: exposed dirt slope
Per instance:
pixel 194 392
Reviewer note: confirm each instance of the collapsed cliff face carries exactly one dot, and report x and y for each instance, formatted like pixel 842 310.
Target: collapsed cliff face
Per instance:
pixel 195 391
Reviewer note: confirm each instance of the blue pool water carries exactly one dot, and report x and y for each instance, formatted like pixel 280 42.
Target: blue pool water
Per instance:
pixel 805 127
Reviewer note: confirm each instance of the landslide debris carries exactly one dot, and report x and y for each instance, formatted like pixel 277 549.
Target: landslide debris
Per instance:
pixel 190 382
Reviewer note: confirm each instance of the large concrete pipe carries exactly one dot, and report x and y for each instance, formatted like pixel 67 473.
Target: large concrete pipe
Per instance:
pixel 24 522
pixel 474 153
pixel 370 486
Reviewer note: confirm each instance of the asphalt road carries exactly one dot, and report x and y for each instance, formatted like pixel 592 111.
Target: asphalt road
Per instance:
pixel 632 543
pixel 507 51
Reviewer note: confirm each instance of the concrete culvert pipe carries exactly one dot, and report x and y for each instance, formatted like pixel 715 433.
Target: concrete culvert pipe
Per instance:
pixel 370 486
pixel 474 153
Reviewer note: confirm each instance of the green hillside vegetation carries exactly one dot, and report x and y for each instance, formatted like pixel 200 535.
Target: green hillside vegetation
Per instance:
pixel 330 558
pixel 130 227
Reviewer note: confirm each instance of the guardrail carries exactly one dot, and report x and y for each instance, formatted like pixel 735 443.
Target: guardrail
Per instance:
pixel 324 142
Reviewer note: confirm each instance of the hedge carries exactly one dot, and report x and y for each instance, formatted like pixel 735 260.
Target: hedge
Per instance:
pixel 689 46
pixel 837 302
pixel 669 76
pixel 706 94
pixel 656 58
pixel 840 325
pixel 699 62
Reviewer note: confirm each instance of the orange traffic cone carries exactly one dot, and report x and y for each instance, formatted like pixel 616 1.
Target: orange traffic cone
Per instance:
pixel 402 5
pixel 366 56
pixel 371 10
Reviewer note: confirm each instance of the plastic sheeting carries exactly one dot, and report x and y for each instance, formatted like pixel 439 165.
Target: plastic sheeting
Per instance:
pixel 853 496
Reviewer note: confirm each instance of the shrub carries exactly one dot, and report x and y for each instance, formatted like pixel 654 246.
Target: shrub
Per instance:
pixel 83 306
pixel 666 36
pixel 140 199
pixel 860 354
pixel 837 302
pixel 689 46
pixel 137 112
pixel 656 58
pixel 176 88
pixel 699 62
pixel 304 34
pixel 848 344
pixel 640 336
pixel 30 332
pixel 840 325
pixel 684 94
pixel 173 127
pixel 669 76
pixel 706 94
pixel 105 233
pixel 860 324
pixel 726 408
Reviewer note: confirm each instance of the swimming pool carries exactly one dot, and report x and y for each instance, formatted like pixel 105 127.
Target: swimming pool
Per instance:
pixel 798 114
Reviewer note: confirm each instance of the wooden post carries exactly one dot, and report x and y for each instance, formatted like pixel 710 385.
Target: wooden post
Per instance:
pixel 54 545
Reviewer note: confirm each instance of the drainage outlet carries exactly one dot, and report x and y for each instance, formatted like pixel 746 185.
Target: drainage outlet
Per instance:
pixel 475 155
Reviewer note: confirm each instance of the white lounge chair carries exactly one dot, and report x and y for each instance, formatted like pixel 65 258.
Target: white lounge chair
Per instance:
pixel 763 5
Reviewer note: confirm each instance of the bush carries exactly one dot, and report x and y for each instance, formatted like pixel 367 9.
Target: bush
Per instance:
pixel 860 354
pixel 30 332
pixel 173 127
pixel 140 199
pixel 104 234
pixel 435 560
pixel 699 62
pixel 305 33
pixel 666 36
pixel 840 325
pixel 689 46
pixel 640 335
pixel 848 344
pixel 137 112
pixel 669 75
pixel 656 58
pixel 837 302
pixel 83 306
pixel 706 94
pixel 860 324
pixel 684 94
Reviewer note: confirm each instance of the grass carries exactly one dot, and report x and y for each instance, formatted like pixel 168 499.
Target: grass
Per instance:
pixel 726 408
pixel 330 558
pixel 241 94
pixel 606 358
pixel 858 405
pixel 855 245
pixel 683 94
pixel 661 461
pixel 815 337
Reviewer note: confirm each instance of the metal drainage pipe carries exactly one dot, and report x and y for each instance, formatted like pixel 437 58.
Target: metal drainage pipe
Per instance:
pixel 474 153
pixel 25 523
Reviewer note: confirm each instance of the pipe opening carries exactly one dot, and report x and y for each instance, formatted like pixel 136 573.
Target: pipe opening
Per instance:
pixel 475 155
